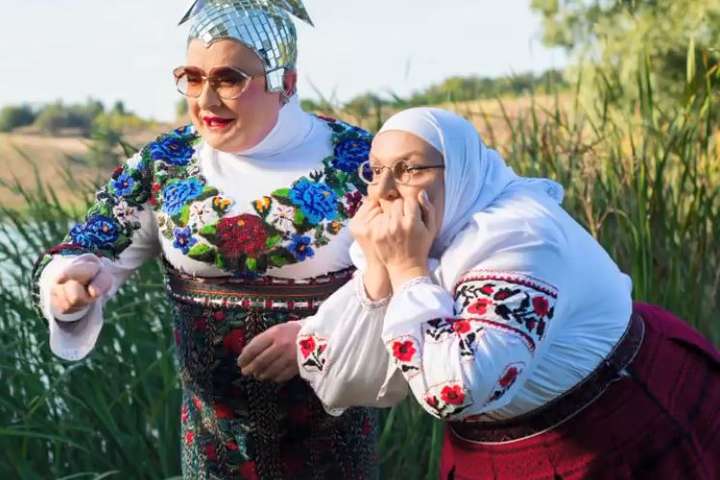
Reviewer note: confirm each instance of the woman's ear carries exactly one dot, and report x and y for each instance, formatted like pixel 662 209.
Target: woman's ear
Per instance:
pixel 290 83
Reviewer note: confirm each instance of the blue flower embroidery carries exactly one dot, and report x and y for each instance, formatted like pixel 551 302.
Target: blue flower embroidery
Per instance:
pixel 349 154
pixel 173 149
pixel 316 200
pixel 176 194
pixel 98 231
pixel 300 247
pixel 184 239
pixel 123 185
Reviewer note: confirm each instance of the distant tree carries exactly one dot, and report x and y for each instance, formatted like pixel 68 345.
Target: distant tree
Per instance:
pixel 181 108
pixel 118 108
pixel 12 117
pixel 678 38
pixel 58 116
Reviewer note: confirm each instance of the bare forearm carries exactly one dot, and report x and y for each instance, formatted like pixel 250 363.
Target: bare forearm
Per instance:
pixel 377 281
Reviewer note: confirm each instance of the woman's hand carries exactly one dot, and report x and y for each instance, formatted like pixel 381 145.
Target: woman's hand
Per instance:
pixel 376 279
pixel 402 237
pixel 271 356
pixel 79 286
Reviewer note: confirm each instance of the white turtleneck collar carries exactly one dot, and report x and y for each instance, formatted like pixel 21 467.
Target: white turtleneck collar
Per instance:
pixel 292 128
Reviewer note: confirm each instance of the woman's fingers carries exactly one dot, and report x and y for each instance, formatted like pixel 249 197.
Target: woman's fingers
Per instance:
pixel 279 369
pixel 395 212
pixel 428 212
pixel 74 297
pixel 256 346
pixel 287 374
pixel 82 272
pixel 258 366
pixel 100 285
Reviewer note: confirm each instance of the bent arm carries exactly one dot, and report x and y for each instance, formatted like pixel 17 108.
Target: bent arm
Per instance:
pixel 341 353
pixel 119 233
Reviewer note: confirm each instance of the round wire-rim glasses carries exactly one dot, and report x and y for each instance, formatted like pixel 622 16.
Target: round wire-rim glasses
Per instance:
pixel 401 172
pixel 228 82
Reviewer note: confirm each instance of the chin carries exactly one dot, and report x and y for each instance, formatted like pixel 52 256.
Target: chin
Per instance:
pixel 229 141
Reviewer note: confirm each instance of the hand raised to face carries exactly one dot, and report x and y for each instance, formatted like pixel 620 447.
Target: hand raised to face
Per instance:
pixel 401 236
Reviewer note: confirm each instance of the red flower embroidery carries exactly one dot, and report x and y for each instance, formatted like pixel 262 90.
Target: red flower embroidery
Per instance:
pixel 487 289
pixel 248 471
pixel 509 377
pixel 480 306
pixel 198 403
pixel 461 326
pixel 353 201
pixel 235 341
pixel 211 452
pixel 503 294
pixel 366 427
pixel 232 446
pixel 432 401
pixel 223 411
pixel 185 414
pixel 541 306
pixel 219 316
pixel 453 395
pixel 200 324
pixel 307 346
pixel 404 351
pixel 189 437
pixel 241 235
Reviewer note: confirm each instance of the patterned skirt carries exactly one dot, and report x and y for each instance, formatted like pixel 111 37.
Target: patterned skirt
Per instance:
pixel 237 427
pixel 659 420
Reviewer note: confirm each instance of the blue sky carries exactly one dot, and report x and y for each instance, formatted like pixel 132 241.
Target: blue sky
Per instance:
pixel 110 50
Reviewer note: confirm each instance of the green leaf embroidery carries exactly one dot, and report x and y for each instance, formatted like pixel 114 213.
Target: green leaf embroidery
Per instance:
pixel 273 240
pixel 181 219
pixel 202 252
pixel 251 264
pixel 281 193
pixel 299 217
pixel 208 231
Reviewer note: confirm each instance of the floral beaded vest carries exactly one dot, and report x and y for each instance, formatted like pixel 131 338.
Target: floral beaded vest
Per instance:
pixel 280 228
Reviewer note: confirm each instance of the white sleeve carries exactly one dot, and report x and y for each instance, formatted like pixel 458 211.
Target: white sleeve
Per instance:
pixel 468 354
pixel 73 336
pixel 342 356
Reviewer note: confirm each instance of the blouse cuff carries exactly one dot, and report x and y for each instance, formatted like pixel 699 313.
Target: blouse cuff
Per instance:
pixel 362 296
pixel 417 301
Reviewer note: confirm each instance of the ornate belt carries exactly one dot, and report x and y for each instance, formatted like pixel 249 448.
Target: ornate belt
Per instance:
pixel 264 293
pixel 567 405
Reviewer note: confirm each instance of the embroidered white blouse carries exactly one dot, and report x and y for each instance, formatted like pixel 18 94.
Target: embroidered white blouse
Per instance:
pixel 299 146
pixel 485 339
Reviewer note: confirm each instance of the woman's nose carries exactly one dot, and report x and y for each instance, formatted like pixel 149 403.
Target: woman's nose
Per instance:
pixel 208 97
pixel 386 186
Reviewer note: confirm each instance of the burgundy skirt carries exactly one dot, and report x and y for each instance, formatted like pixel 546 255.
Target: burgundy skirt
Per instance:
pixel 660 422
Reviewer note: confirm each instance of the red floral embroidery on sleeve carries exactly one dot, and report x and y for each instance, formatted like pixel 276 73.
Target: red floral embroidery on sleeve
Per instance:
pixel 507 301
pixel 506 381
pixel 406 354
pixel 448 399
pixel 313 350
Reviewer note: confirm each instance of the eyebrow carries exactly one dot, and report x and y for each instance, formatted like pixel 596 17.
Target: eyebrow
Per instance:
pixel 397 159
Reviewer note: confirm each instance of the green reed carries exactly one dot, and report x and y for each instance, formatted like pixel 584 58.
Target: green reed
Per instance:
pixel 645 183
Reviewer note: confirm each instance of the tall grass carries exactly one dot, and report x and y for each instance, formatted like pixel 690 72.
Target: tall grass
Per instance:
pixel 645 183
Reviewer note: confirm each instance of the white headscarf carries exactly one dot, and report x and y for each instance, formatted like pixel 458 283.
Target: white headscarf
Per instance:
pixel 474 174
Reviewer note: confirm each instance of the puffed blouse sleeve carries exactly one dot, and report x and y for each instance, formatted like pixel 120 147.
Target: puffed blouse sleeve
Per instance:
pixel 119 233
pixel 466 351
pixel 341 354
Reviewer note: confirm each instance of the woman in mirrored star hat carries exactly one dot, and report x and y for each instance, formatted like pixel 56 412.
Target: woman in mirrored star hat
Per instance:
pixel 248 209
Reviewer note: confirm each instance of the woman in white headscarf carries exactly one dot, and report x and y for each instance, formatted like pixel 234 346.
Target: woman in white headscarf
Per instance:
pixel 507 320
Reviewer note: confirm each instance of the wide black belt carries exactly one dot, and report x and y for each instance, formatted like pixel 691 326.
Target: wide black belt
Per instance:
pixel 566 405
